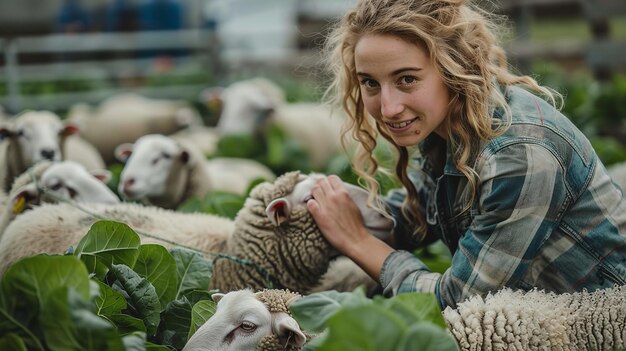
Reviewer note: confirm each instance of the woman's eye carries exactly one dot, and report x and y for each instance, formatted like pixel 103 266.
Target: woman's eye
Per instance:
pixel 369 83
pixel 407 80
pixel 247 326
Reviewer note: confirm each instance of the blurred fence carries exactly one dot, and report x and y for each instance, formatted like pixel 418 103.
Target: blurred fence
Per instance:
pixel 198 46
pixel 603 53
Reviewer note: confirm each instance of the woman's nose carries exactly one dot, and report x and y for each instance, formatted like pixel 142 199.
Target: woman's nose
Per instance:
pixel 391 103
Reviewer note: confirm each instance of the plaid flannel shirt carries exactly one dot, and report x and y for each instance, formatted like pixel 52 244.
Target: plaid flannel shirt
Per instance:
pixel 546 214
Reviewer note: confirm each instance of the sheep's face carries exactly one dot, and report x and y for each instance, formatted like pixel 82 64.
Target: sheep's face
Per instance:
pixel 149 167
pixel 241 321
pixel 243 105
pixel 38 135
pixel 70 180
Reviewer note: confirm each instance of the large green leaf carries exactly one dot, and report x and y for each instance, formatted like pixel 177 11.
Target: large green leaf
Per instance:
pixel 415 307
pixel 194 271
pixel 109 301
pixel 127 324
pixel 175 323
pixel 27 283
pixel 10 326
pixel 200 313
pixel 158 266
pixel 314 310
pixel 69 324
pixel 363 328
pixel 142 296
pixel 12 342
pixel 107 243
pixel 427 336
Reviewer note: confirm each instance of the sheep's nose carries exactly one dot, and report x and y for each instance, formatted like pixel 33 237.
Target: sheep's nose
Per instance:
pixel 127 184
pixel 47 154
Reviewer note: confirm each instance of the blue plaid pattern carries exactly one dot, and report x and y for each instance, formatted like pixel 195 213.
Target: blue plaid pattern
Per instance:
pixel 546 213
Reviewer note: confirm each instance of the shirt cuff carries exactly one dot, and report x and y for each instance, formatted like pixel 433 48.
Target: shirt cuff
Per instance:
pixel 400 273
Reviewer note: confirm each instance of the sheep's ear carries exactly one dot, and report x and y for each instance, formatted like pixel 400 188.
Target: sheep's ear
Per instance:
pixel 287 330
pixel 69 129
pixel 103 175
pixel 278 211
pixel 123 151
pixel 5 133
pixel 217 297
pixel 22 196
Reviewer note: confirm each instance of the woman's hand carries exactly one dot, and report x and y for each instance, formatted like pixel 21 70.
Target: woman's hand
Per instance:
pixel 340 221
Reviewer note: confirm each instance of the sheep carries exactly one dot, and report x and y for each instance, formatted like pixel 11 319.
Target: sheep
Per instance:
pixel 506 320
pixel 124 117
pixel 248 104
pixel 165 173
pixel 536 320
pixel 283 241
pixel 39 135
pixel 49 181
pixel 618 174
pixel 244 320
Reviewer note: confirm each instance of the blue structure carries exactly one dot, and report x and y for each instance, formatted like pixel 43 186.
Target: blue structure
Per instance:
pixel 72 18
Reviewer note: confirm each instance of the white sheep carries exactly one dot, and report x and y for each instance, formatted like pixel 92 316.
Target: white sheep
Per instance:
pixel 273 241
pixel 49 181
pixel 164 172
pixel 125 117
pixel 506 320
pixel 536 320
pixel 618 174
pixel 244 320
pixel 247 106
pixel 40 135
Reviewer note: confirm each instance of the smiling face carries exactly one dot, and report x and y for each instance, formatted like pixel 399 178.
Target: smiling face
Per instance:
pixel 401 88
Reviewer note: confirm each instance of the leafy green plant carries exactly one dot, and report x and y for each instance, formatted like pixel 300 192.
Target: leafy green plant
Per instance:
pixel 350 321
pixel 112 293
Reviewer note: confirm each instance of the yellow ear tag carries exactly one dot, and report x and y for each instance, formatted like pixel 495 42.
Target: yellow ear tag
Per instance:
pixel 19 205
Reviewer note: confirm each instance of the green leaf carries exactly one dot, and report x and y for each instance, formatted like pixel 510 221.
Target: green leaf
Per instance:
pixel 12 342
pixel 27 283
pixel 135 341
pixel 176 320
pixel 415 307
pixel 109 302
pixel 10 326
pixel 127 324
pixel 312 311
pixel 107 243
pixel 142 295
pixel 200 313
pixel 427 336
pixel 194 270
pixel 158 266
pixel 69 324
pixel 363 328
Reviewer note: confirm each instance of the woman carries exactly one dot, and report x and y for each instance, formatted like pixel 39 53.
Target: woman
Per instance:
pixel 509 184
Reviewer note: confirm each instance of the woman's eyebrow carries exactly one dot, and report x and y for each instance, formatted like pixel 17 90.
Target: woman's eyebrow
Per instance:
pixel 394 73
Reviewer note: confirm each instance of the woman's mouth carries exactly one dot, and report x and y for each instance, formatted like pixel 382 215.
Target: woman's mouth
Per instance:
pixel 400 126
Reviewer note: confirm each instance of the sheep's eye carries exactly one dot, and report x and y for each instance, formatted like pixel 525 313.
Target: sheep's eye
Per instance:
pixel 20 133
pixel 72 192
pixel 154 161
pixel 247 326
pixel 165 156
pixel 307 198
pixel 56 186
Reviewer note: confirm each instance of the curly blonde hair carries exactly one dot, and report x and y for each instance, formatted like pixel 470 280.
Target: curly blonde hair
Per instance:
pixel 462 45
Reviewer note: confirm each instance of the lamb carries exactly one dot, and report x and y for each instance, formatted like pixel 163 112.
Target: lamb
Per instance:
pixel 506 320
pixel 248 104
pixel 618 174
pixel 272 242
pixel 260 321
pixel 49 181
pixel 165 173
pixel 40 135
pixel 123 118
